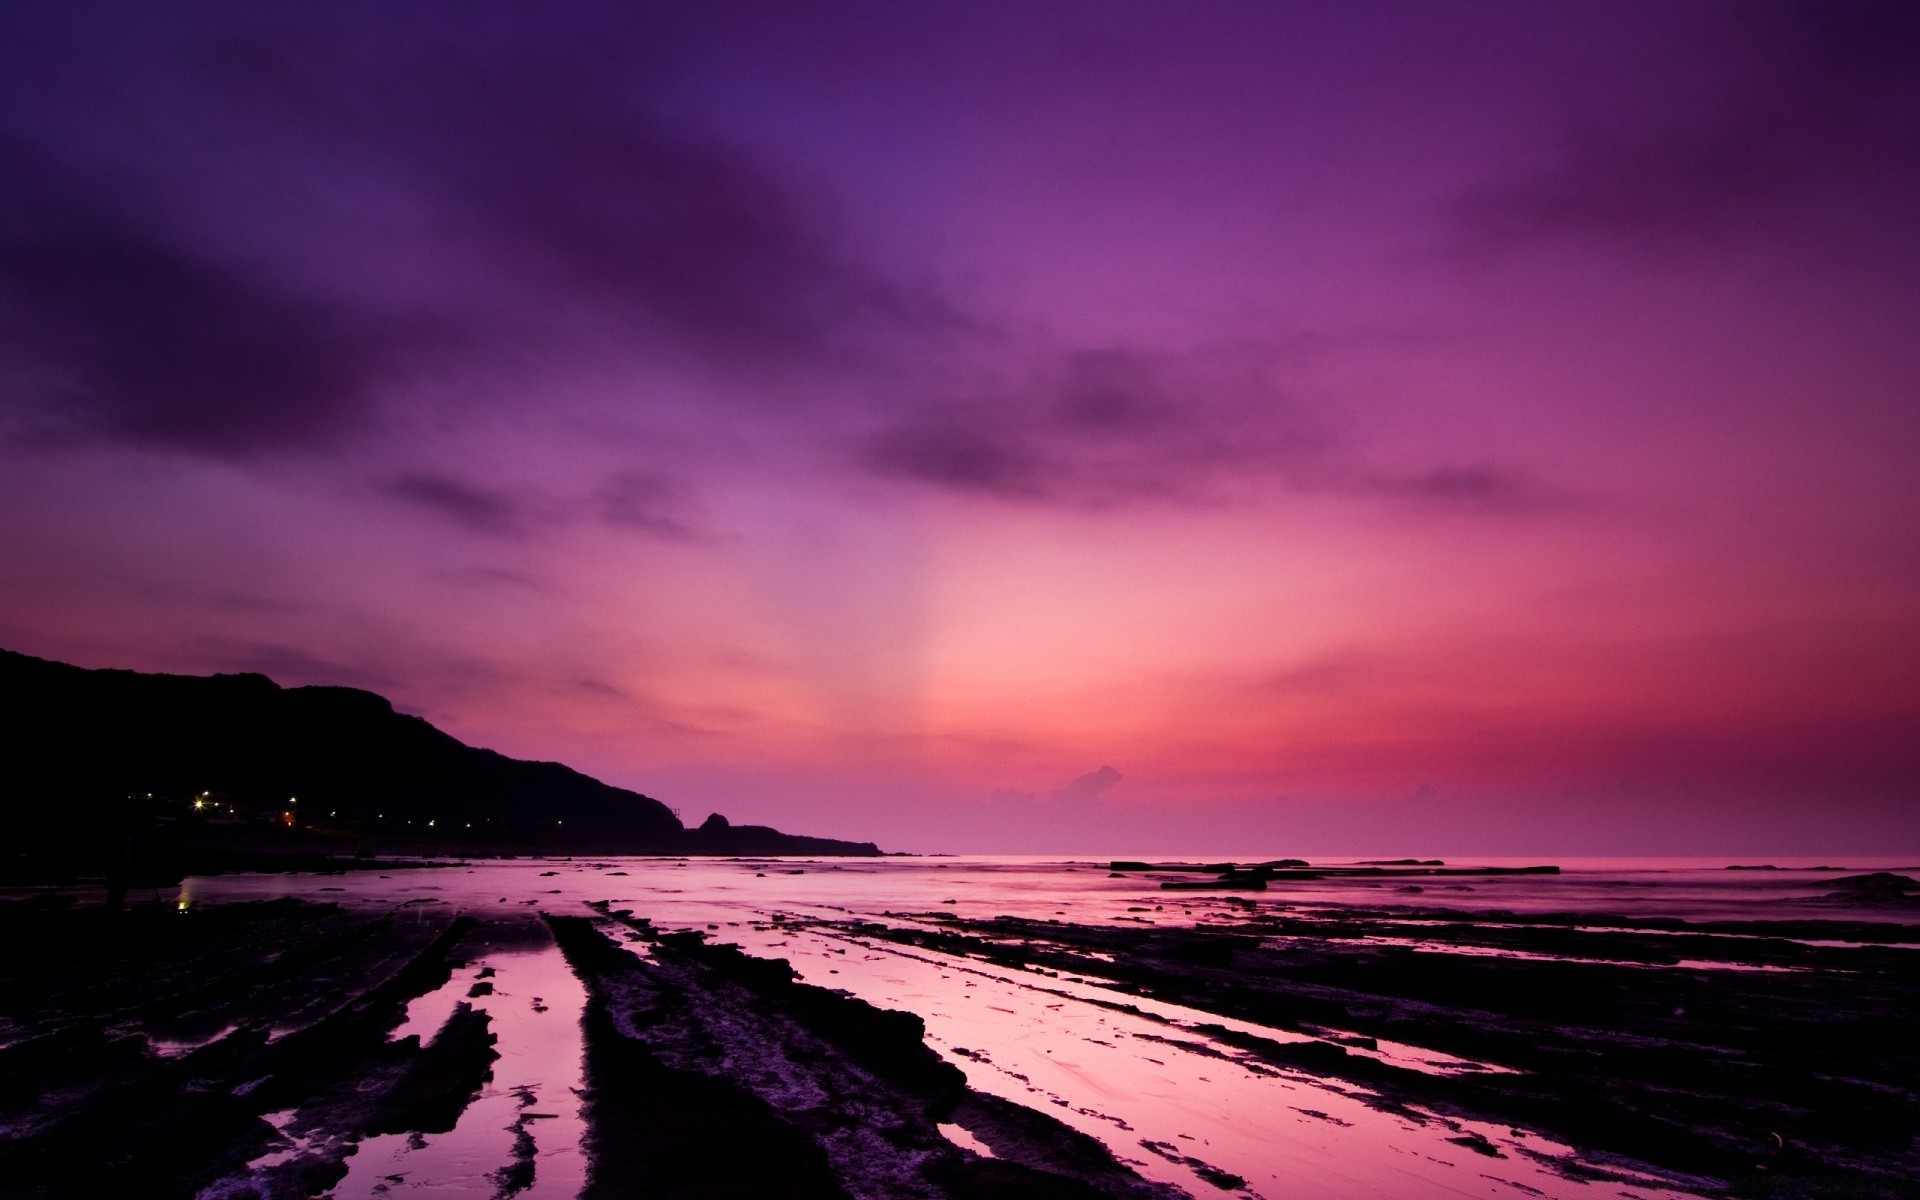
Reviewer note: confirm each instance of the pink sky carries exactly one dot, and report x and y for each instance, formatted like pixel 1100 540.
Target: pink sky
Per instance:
pixel 1372 428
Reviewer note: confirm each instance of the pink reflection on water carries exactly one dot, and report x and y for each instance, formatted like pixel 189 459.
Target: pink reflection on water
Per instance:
pixel 534 1009
pixel 1130 1081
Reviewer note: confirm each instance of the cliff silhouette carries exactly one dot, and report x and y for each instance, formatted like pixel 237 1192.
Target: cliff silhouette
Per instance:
pixel 92 751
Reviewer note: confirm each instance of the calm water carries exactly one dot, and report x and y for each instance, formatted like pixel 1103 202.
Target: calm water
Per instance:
pixel 1153 1091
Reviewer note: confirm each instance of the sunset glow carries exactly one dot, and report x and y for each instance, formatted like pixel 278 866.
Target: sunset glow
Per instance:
pixel 1004 428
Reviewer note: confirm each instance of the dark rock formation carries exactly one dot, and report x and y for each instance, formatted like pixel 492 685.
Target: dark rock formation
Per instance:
pixel 714 1073
pixel 1877 882
pixel 1883 889
pixel 716 836
pixel 290 1005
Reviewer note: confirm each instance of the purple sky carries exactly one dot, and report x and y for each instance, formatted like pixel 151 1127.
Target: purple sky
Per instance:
pixel 1339 427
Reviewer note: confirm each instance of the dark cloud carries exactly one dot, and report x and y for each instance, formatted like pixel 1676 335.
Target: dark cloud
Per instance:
pixel 688 236
pixel 541 162
pixel 654 505
pixel 544 148
pixel 480 510
pixel 1120 427
pixel 650 504
pixel 1115 391
pixel 1816 140
pixel 493 577
pixel 965 455
pixel 471 182
pixel 1109 428
pixel 116 330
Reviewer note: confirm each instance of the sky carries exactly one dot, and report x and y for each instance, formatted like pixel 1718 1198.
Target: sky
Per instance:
pixel 1004 427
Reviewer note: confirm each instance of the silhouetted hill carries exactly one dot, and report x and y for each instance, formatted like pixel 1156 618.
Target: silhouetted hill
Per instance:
pixel 87 750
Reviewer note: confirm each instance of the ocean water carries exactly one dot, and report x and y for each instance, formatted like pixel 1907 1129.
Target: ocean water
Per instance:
pixel 1054 1042
pixel 690 892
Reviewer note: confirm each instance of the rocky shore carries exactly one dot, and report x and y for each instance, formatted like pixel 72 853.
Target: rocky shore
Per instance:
pixel 281 1049
pixel 143 1051
pixel 713 1073
pixel 243 1053
pixel 1747 1059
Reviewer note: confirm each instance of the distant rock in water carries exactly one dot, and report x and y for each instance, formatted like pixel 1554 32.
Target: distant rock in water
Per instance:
pixel 87 748
pixel 1882 889
pixel 717 835
pixel 1878 881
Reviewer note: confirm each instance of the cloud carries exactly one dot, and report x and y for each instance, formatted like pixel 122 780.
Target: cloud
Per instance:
pixel 654 505
pixel 964 455
pixel 117 330
pixel 685 235
pixel 480 510
pixel 393 194
pixel 1818 131
pixel 1201 427
pixel 1022 807
pixel 1099 429
pixel 1475 489
pixel 544 150
pixel 600 688
pixel 363 198
pixel 1087 788
pixel 492 577
pixel 650 504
